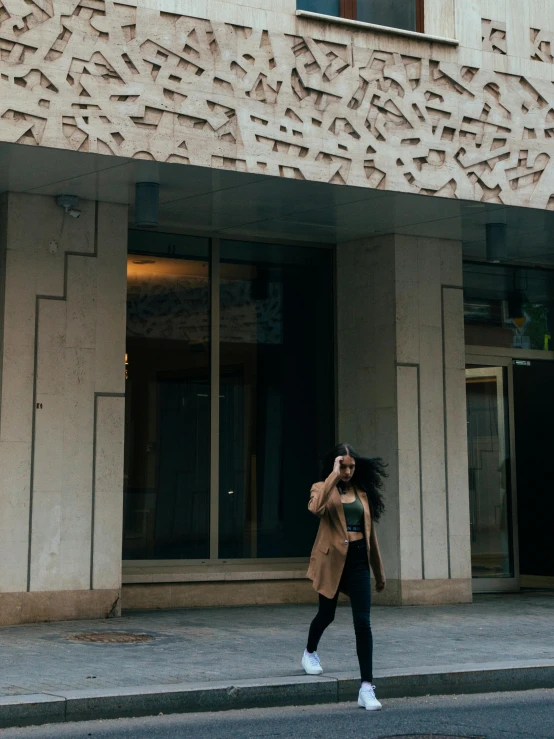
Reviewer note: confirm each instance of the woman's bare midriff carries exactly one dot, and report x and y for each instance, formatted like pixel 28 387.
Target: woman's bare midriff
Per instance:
pixel 355 535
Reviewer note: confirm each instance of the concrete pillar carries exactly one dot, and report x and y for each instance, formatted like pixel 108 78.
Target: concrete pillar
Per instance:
pixel 401 386
pixel 62 347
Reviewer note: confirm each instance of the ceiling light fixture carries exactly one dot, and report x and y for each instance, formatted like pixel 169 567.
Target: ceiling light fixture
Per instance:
pixel 497 242
pixel 147 204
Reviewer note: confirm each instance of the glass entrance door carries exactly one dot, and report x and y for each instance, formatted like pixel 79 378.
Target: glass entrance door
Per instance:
pixel 491 476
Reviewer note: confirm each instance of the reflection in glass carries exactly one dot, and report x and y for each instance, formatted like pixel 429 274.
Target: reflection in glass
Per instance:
pixel 276 397
pixel 328 7
pixel 166 512
pixel 394 13
pixel 508 306
pixel 276 412
pixel 489 472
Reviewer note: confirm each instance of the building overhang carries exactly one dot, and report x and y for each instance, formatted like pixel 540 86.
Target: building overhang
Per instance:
pixel 203 200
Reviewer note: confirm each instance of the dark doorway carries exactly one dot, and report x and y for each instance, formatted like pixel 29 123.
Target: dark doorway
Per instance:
pixel 534 415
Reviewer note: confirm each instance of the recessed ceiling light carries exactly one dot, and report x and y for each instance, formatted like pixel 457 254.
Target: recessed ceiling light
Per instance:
pixel 144 261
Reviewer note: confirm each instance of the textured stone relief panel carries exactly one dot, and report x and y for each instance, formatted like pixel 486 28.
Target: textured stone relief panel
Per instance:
pixel 494 36
pixel 95 76
pixel 542 43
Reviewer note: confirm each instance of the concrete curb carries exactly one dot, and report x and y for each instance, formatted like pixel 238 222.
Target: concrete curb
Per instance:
pixel 88 705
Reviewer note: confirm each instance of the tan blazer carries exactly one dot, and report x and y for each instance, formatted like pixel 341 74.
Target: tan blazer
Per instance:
pixel 331 543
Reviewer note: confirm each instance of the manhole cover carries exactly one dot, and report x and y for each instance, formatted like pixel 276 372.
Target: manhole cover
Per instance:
pixel 110 637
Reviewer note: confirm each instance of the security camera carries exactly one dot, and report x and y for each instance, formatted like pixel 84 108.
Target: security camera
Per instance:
pixel 70 204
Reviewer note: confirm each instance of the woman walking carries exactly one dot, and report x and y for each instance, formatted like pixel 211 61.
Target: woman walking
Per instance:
pixel 347 503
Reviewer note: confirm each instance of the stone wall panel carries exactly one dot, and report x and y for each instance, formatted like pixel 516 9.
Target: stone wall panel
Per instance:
pixel 420 429
pixel 59 314
pixel 140 83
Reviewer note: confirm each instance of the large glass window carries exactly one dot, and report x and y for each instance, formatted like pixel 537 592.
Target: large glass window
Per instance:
pixel 277 412
pixel 167 480
pixel 405 14
pixel 508 306
pixel 274 380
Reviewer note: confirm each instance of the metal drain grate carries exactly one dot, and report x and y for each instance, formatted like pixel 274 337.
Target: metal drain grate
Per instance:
pixel 110 637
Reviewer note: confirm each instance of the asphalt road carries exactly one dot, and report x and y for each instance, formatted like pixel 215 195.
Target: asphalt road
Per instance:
pixel 526 715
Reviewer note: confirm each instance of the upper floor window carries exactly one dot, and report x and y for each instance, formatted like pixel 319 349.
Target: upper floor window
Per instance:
pixel 406 14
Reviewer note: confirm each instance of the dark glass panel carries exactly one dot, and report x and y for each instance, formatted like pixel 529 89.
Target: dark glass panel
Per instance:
pixel 508 306
pixel 167 481
pixel 534 412
pixel 329 7
pixel 277 414
pixel 394 13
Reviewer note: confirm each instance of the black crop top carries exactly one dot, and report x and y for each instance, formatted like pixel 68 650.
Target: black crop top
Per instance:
pixel 353 512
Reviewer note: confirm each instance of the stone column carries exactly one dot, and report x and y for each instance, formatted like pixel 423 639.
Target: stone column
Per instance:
pixel 401 390
pixel 62 347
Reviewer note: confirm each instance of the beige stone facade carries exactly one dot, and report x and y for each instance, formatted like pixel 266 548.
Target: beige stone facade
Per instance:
pixel 61 432
pixel 271 93
pixel 463 112
pixel 404 397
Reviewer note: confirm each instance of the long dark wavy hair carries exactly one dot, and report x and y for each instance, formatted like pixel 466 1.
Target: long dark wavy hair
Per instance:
pixel 368 475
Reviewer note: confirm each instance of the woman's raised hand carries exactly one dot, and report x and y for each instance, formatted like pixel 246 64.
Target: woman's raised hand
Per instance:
pixel 336 466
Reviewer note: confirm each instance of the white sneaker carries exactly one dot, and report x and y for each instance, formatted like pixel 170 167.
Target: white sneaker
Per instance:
pixel 311 663
pixel 367 699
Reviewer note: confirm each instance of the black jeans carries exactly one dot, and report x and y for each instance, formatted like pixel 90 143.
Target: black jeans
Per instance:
pixel 355 577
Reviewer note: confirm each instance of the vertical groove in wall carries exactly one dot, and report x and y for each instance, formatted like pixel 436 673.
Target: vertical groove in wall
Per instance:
pixel 421 520
pixel 393 273
pixel 444 289
pixel 94 428
pixel 3 264
pixel 445 430
pixel 95 241
pixel 420 472
pixel 94 469
pixel 336 328
pixel 38 300
pixel 93 491
pixel 33 424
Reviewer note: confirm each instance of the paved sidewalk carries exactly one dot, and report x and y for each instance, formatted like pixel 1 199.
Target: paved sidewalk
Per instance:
pixel 222 646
